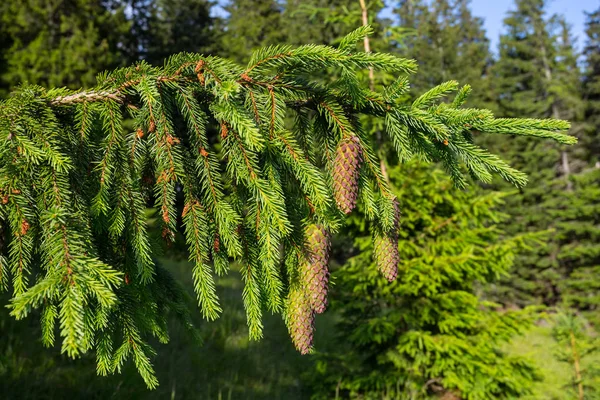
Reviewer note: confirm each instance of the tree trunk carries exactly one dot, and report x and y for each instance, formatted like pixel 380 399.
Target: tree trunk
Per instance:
pixel 556 115
pixel 365 22
pixel 577 367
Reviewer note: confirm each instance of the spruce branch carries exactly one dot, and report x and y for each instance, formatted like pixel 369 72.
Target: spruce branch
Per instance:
pixel 75 182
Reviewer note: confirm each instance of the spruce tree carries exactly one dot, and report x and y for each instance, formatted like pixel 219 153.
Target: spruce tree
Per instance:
pixel 327 21
pixel 447 41
pixel 591 83
pixel 252 24
pixel 174 26
pixel 427 334
pixel 576 243
pixel 60 44
pixel 290 154
pixel 536 74
pixel 564 269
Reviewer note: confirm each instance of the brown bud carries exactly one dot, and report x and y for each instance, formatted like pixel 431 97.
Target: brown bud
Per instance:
pixel 4 199
pixel 348 157
pixel 217 243
pixel 224 130
pixel 151 126
pixel 186 209
pixel 139 133
pixel 24 227
pixel 203 152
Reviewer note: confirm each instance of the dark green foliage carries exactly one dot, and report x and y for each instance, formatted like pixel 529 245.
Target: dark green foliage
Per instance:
pixel 174 26
pixel 327 21
pixel 591 84
pixel 447 41
pixel 75 183
pixel 428 333
pixel 252 24
pixel 563 194
pixel 576 249
pixel 58 44
pixel 565 268
pixel 536 74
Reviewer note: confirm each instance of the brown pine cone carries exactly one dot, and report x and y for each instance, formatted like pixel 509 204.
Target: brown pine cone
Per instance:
pixel 386 255
pixel 315 274
pixel 300 321
pixel 348 157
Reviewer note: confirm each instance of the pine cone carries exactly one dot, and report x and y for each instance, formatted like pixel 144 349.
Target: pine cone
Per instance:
pixel 300 321
pixel 315 274
pixel 386 256
pixel 348 157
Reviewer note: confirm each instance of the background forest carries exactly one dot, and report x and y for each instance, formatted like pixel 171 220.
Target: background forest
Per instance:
pixel 498 292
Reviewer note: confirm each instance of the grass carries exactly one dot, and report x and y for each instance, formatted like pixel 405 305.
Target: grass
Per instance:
pixel 539 345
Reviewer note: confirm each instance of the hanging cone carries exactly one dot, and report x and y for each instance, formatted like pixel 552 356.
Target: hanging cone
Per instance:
pixel 385 248
pixel 315 274
pixel 300 321
pixel 348 157
pixel 386 256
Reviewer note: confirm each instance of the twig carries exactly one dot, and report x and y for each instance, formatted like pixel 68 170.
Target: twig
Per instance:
pixel 86 97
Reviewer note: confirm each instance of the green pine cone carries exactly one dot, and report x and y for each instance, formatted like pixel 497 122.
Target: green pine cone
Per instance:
pixel 386 255
pixel 300 320
pixel 348 157
pixel 315 274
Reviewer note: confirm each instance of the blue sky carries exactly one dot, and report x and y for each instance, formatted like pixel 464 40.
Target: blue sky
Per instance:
pixel 494 11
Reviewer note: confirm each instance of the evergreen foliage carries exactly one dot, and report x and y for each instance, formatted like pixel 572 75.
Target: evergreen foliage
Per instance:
pixel 447 41
pixel 75 185
pixel 537 74
pixel 428 333
pixel 58 44
pixel 327 21
pixel 591 87
pixel 565 268
pixel 252 24
pixel 174 26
